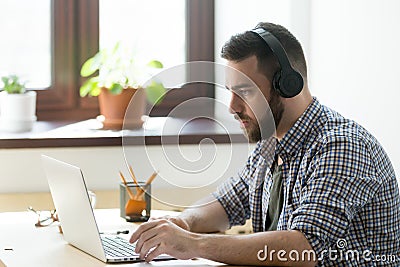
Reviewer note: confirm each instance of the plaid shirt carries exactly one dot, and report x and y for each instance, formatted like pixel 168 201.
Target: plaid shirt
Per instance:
pixel 340 189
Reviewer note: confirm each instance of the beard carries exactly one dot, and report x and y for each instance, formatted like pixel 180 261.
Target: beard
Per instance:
pixel 263 129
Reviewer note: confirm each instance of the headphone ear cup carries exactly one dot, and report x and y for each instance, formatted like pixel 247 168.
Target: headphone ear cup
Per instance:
pixel 276 82
pixel 288 84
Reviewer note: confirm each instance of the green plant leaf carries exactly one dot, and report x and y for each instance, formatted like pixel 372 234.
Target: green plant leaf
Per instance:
pixel 96 91
pixel 116 89
pixel 85 88
pixel 116 47
pixel 155 64
pixel 89 87
pixel 5 80
pixel 88 68
pixel 155 92
pixel 115 68
pixel 12 84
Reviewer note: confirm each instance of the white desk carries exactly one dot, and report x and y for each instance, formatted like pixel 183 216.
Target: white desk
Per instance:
pixel 22 244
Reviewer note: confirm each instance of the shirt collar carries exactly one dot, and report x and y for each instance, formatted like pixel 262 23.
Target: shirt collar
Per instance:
pixel 293 140
pixel 267 149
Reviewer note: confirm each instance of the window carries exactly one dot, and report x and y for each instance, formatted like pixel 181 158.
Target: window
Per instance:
pixel 29 54
pixel 151 32
pixel 71 31
pixel 227 24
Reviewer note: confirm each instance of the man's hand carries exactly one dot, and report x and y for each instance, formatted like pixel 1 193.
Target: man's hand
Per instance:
pixel 174 219
pixel 160 236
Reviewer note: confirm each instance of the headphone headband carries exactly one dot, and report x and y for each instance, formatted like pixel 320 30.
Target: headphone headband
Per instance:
pixel 287 81
pixel 275 46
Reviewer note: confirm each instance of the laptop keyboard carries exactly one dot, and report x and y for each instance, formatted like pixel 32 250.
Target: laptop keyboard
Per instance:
pixel 118 247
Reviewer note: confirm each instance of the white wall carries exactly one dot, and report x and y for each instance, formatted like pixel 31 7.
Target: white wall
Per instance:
pixel 352 51
pixel 236 16
pixel 21 169
pixel 353 64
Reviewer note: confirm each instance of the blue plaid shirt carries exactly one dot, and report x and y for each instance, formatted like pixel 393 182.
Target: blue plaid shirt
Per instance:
pixel 340 189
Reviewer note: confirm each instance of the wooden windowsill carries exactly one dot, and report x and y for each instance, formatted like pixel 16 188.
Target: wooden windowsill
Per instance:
pixel 157 130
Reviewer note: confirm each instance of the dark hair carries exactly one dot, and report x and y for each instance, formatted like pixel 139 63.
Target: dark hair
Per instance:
pixel 244 45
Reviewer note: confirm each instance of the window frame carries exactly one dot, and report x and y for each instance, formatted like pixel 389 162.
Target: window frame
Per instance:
pixel 75 37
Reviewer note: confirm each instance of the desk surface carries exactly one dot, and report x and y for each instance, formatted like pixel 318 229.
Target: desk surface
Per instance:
pixel 22 244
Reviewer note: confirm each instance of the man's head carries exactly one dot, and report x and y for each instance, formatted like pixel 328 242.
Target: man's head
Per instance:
pixel 249 54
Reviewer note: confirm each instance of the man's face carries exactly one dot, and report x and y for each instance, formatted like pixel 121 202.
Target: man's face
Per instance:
pixel 255 104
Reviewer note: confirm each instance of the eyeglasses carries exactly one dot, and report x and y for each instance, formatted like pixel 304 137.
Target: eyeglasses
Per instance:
pixel 45 218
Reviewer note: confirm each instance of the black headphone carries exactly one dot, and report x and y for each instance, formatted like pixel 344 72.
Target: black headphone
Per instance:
pixel 287 81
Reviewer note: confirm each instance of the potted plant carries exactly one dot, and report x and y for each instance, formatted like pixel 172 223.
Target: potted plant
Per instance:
pixel 17 106
pixel 116 82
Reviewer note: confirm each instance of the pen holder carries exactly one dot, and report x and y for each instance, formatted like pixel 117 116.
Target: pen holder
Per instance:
pixel 137 209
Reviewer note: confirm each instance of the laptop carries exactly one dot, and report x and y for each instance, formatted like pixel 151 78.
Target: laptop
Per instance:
pixel 71 200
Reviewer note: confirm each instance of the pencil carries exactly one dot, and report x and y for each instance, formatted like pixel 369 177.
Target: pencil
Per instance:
pixel 131 195
pixel 132 174
pixel 149 181
pixel 138 189
pixel 151 178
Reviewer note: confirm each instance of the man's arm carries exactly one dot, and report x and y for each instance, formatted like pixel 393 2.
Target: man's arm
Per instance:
pixel 273 248
pixel 205 216
pixel 277 248
pixel 227 206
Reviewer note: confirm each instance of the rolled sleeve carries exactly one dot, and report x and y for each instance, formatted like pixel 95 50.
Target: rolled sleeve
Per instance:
pixel 233 194
pixel 234 197
pixel 318 227
pixel 341 183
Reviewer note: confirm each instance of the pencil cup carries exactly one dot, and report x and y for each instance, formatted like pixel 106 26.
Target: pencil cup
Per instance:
pixel 135 209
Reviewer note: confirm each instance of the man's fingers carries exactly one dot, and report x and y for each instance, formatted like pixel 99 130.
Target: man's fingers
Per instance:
pixel 154 253
pixel 148 245
pixel 145 237
pixel 176 220
pixel 166 217
pixel 143 228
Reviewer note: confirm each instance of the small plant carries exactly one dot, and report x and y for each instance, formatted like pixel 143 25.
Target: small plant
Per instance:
pixel 118 70
pixel 12 84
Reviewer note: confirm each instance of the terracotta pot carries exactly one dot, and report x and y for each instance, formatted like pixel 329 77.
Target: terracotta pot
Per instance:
pixel 114 107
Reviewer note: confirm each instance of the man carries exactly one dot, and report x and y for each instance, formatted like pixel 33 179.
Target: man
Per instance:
pixel 328 197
